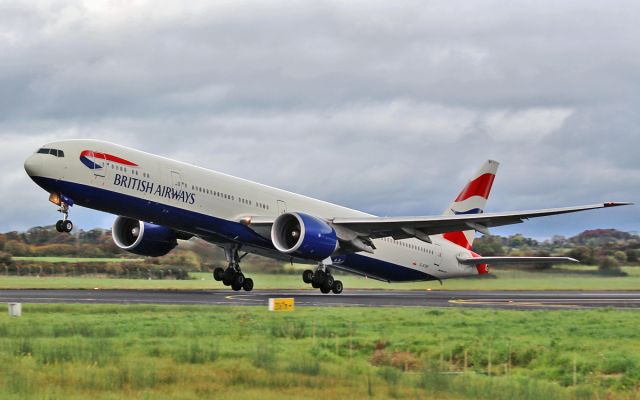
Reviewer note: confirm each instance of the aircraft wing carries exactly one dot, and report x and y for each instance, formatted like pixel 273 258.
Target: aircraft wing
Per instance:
pixel 420 227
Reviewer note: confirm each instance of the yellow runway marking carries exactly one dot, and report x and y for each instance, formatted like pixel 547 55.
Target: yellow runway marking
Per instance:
pixel 554 303
pixel 511 303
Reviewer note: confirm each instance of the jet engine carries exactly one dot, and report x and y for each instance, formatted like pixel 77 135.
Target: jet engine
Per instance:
pixel 304 236
pixel 143 238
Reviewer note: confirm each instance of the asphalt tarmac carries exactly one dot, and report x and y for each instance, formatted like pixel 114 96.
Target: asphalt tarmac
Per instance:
pixel 523 300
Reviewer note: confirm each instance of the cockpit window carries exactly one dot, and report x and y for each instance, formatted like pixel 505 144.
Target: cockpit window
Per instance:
pixel 53 152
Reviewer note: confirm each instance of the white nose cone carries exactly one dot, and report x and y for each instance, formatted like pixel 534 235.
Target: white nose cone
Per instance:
pixel 32 165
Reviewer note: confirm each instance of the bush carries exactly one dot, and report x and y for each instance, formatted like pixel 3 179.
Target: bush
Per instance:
pixel 618 364
pixel 620 256
pixel 16 248
pixel 632 255
pixel 5 259
pixel 608 263
pixel 583 254
pixel 488 245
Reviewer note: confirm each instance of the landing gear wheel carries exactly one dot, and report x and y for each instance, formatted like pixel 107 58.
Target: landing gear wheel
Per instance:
pixel 337 287
pixel 325 289
pixel 238 279
pixel 307 276
pixel 318 279
pixel 328 281
pixel 227 276
pixel 233 276
pixel 67 226
pixel 218 274
pixel 63 225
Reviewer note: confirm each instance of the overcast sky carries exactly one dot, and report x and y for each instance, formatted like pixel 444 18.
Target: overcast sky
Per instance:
pixel 387 107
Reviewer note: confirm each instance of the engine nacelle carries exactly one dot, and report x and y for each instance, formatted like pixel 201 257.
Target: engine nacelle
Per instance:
pixel 303 235
pixel 143 238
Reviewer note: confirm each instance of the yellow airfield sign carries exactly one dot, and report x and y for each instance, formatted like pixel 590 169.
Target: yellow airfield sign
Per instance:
pixel 281 304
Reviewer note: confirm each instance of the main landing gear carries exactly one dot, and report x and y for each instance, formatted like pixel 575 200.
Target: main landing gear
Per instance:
pixel 232 276
pixel 322 279
pixel 64 224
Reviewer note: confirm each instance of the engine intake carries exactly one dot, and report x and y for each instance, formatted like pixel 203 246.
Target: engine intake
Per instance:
pixel 303 235
pixel 143 238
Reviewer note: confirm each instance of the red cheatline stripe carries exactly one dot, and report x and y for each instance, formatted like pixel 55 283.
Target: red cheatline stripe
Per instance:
pixel 108 157
pixel 458 238
pixel 481 186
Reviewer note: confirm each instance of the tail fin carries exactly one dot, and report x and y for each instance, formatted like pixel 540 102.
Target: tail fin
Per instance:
pixel 472 200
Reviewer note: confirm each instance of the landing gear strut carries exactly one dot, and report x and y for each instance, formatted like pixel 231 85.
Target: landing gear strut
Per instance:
pixel 232 276
pixel 322 279
pixel 64 224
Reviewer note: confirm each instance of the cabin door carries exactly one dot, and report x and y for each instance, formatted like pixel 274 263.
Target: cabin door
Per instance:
pixel 177 186
pixel 437 254
pixel 282 207
pixel 97 163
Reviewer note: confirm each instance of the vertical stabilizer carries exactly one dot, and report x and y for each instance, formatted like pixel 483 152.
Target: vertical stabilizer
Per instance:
pixel 472 200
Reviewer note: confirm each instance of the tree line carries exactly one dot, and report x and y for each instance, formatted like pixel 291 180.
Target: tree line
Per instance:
pixel 607 248
pixel 190 256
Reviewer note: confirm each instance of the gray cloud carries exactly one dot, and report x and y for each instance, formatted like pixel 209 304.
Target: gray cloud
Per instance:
pixel 385 107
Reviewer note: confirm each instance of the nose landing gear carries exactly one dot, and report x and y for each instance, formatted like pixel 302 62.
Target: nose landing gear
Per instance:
pixel 233 276
pixel 323 280
pixel 64 224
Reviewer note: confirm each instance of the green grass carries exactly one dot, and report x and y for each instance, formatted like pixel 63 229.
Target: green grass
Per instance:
pixel 195 352
pixel 505 280
pixel 77 259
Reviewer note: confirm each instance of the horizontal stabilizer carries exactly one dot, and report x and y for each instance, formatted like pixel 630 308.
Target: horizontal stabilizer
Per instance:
pixel 515 260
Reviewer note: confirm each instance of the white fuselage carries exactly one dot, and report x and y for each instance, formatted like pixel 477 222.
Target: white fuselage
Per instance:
pixel 211 205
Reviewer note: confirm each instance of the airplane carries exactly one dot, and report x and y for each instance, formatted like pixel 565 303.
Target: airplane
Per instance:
pixel 158 201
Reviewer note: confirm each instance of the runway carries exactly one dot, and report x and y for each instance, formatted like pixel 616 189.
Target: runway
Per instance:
pixel 523 300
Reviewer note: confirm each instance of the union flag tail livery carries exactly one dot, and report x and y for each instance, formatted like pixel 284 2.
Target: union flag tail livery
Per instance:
pixel 472 200
pixel 159 201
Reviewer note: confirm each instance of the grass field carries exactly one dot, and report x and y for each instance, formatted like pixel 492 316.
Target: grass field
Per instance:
pixel 76 259
pixel 505 280
pixel 194 352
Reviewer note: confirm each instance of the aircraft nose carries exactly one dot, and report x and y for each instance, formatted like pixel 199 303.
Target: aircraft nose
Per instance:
pixel 32 165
